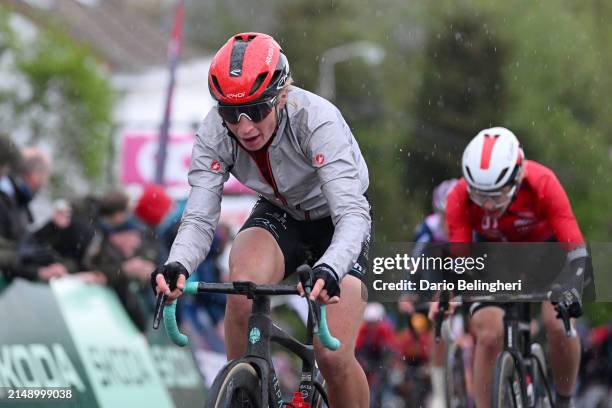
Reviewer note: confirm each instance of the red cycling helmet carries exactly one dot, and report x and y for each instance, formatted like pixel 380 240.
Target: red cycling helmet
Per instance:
pixel 250 67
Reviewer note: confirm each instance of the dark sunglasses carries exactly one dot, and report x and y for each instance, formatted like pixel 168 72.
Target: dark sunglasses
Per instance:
pixel 255 112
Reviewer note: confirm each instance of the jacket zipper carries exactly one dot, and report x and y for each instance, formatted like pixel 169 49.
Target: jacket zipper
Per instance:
pixel 274 186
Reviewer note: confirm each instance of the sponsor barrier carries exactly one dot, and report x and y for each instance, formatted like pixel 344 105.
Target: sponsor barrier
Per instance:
pixel 69 344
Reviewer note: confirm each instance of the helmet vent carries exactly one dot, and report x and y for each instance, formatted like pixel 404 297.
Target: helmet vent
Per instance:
pixel 515 173
pixel 469 173
pixel 278 79
pixel 501 175
pixel 237 57
pixel 242 38
pixel 215 82
pixel 257 83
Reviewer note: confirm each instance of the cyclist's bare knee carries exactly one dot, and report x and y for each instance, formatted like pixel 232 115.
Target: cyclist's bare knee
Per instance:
pixel 334 363
pixel 487 325
pixel 553 325
pixel 256 257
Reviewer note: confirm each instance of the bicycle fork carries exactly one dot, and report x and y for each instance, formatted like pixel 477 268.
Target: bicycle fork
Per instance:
pixel 261 331
pixel 513 329
pixel 516 336
pixel 306 394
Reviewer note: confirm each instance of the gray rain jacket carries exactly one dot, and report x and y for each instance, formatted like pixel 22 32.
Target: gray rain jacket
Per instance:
pixel 317 170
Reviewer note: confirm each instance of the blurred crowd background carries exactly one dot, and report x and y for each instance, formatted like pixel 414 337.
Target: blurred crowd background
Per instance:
pixel 81 101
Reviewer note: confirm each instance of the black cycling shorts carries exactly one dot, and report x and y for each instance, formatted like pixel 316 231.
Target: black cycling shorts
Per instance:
pixel 302 241
pixel 476 306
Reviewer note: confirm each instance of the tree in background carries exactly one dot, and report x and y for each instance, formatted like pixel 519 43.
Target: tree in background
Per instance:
pixel 58 97
pixel 209 23
pixel 462 91
pixel 556 103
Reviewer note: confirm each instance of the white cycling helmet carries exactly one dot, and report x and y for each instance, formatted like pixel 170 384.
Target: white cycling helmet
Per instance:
pixel 374 312
pixel 492 160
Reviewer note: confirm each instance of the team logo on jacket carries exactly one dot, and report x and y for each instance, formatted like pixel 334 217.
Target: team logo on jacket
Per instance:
pixel 215 166
pixel 319 159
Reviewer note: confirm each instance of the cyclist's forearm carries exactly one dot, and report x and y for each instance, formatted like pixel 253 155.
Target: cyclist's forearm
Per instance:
pixel 197 228
pixel 577 260
pixel 352 222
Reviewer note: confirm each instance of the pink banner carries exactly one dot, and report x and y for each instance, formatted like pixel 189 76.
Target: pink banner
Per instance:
pixel 139 157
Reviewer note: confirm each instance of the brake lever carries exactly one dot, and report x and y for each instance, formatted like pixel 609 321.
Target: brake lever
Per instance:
pixel 564 315
pixel 159 308
pixel 305 275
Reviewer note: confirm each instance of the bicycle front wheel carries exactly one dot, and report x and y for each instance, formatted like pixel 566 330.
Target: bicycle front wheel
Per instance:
pixel 237 386
pixel 456 392
pixel 506 391
pixel 541 386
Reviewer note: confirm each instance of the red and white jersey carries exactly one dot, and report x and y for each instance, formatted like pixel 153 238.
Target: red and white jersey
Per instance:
pixel 539 212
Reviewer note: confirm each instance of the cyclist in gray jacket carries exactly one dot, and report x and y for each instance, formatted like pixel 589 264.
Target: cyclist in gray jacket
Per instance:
pixel 295 149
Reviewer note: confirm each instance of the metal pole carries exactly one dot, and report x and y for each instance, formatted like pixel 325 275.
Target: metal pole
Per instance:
pixel 174 51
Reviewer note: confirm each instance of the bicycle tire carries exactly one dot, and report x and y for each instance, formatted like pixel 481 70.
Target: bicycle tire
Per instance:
pixel 454 376
pixel 540 375
pixel 506 392
pixel 238 385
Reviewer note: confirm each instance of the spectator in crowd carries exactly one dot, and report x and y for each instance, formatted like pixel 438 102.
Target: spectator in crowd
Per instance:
pixel 153 205
pixel 67 238
pixel 17 188
pixel 152 208
pixel 125 255
pixel 9 161
pixel 113 210
pixel 10 157
pixel 8 260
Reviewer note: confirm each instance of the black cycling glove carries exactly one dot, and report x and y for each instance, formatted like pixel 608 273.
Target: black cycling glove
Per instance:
pixel 573 302
pixel 325 272
pixel 569 293
pixel 171 273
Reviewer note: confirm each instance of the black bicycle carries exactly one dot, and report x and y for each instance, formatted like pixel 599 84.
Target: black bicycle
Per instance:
pixel 521 375
pixel 251 381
